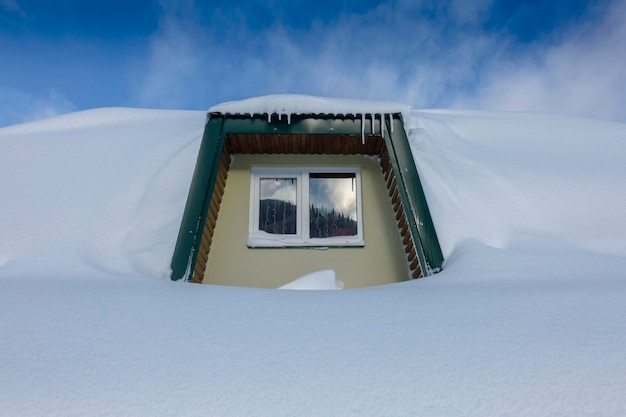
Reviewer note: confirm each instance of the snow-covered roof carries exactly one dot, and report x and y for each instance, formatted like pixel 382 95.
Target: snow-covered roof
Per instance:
pixel 491 177
pixel 527 318
pixel 290 104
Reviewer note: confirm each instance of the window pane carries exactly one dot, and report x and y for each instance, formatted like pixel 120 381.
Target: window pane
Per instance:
pixel 332 205
pixel 277 210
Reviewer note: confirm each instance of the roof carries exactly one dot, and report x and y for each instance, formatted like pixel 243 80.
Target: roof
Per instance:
pixel 295 104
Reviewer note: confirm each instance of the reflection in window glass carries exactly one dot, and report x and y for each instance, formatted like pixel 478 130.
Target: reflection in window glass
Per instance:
pixel 277 211
pixel 332 205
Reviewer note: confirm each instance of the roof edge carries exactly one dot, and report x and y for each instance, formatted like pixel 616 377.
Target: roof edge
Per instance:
pixel 296 104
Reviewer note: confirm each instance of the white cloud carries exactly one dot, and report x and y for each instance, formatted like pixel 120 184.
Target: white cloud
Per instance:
pixel 584 74
pixel 18 106
pixel 172 61
pixel 389 52
pixel 472 12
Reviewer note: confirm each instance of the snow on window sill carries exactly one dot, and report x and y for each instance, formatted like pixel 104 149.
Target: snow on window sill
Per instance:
pixel 266 240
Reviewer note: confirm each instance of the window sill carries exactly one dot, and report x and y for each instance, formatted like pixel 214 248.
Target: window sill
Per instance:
pixel 263 241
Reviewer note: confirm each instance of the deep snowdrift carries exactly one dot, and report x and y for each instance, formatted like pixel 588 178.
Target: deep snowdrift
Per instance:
pixel 97 192
pixel 527 318
pixel 515 178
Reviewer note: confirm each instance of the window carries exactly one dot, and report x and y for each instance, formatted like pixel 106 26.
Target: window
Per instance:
pixel 305 207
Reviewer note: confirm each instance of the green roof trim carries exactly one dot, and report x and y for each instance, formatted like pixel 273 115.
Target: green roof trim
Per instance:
pixel 413 198
pixel 207 165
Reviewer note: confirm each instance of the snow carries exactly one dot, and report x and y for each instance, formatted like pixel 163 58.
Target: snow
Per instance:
pixel 506 179
pixel 528 317
pixel 79 192
pixel 290 104
pixel 287 105
pixel 318 280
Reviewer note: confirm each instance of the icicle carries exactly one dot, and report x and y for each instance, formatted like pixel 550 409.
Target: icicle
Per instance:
pixel 363 128
pixel 188 277
pixel 269 117
pixel 391 122
pixel 382 125
pixel 288 118
pixel 373 120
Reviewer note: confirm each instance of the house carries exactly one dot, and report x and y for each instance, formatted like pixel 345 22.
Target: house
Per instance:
pixel 287 185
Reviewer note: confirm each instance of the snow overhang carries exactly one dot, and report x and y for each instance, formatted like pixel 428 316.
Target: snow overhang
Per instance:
pixel 280 107
pixel 286 105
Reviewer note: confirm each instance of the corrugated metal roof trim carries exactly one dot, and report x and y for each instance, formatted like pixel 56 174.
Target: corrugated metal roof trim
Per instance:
pixel 290 104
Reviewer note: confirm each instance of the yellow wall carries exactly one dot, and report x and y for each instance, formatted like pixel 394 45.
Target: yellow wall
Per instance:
pixel 231 262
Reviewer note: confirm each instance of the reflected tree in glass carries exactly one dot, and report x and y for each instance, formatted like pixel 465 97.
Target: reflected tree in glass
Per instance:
pixel 277 210
pixel 332 205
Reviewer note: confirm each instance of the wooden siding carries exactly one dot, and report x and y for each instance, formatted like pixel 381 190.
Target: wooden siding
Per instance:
pixel 415 269
pixel 211 219
pixel 304 144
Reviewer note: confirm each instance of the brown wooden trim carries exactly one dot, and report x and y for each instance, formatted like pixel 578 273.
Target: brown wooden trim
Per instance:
pixel 211 219
pixel 417 273
pixel 403 226
pixel 303 144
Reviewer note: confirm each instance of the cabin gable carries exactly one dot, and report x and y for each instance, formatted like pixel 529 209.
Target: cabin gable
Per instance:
pixel 379 137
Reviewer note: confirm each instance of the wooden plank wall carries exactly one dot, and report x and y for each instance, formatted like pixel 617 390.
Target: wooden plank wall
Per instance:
pixel 211 218
pixel 407 239
pixel 304 144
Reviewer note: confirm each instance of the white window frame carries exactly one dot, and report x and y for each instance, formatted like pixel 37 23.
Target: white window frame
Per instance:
pixel 261 239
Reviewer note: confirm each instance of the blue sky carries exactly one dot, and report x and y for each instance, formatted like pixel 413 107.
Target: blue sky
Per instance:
pixel 564 56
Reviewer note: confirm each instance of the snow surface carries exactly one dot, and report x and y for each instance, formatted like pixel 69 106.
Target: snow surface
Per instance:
pixel 528 317
pixel 95 192
pixel 319 280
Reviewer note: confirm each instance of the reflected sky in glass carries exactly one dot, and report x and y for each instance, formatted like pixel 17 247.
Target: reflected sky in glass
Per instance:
pixel 283 189
pixel 339 194
pixel 277 205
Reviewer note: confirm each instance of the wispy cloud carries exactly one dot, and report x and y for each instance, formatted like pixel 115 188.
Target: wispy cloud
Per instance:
pixel 12 6
pixel 18 106
pixel 582 74
pixel 172 60
pixel 428 54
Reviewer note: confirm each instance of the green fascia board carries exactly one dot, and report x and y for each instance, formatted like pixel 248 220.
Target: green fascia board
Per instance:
pixel 297 124
pixel 200 191
pixel 413 198
pixel 207 165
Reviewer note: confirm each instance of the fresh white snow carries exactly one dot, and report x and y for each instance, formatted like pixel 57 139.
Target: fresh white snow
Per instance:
pixel 528 317
pixel 286 105
pixel 319 280
pixel 95 192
